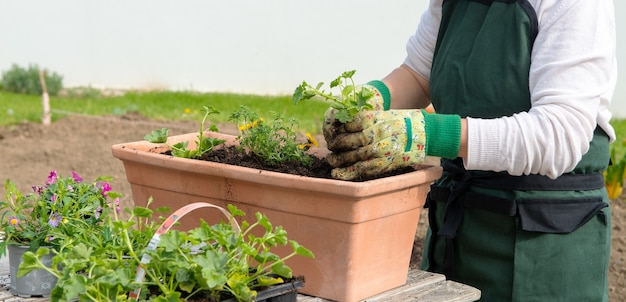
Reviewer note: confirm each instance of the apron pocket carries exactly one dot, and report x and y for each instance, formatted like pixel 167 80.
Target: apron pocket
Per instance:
pixel 557 216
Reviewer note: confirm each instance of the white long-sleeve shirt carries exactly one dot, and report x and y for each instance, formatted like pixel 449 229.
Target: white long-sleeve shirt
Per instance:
pixel 573 74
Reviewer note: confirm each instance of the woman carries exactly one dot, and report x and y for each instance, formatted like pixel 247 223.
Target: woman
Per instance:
pixel 521 90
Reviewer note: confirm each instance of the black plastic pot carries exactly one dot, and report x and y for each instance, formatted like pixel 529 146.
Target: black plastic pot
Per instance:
pixel 286 292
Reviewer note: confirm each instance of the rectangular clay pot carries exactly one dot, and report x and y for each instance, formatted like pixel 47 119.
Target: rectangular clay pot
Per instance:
pixel 360 232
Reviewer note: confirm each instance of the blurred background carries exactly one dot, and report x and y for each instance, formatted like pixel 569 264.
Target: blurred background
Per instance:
pixel 242 46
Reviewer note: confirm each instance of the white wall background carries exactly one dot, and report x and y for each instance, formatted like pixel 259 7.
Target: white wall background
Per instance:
pixel 247 46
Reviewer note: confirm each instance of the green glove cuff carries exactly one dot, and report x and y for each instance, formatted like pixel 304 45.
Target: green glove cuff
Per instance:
pixel 384 92
pixel 443 134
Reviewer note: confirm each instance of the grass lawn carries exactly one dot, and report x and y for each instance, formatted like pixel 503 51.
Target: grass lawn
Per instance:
pixel 167 105
pixel 15 108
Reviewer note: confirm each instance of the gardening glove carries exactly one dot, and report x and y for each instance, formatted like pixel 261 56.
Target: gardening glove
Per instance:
pixel 379 141
pixel 382 97
pixel 381 100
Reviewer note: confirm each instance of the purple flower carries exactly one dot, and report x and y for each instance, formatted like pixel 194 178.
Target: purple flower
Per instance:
pixel 38 189
pixel 70 188
pixel 55 219
pixel 14 221
pixel 53 199
pixel 52 177
pixel 98 212
pixel 76 177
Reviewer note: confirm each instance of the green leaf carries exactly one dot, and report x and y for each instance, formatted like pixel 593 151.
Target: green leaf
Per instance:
pixel 235 211
pixel 171 240
pixel 157 136
pixel 301 250
pixel 72 287
pixel 144 212
pixel 279 268
pixel 297 94
pixel 343 116
pixel 30 262
pixel 213 268
pixel 348 74
pixel 269 281
pixel 264 221
pixel 115 277
pixel 336 82
pixel 180 150
pixel 172 296
pixel 81 251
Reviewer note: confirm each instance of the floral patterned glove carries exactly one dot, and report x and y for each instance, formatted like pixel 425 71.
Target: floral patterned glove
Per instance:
pixel 379 141
pixel 380 101
pixel 382 97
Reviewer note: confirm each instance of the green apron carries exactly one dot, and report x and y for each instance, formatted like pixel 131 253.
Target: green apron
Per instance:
pixel 516 238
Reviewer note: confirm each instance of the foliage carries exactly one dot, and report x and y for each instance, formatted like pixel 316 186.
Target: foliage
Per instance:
pixel 99 264
pixel 351 100
pixel 26 80
pixel 274 140
pixel 210 260
pixel 614 175
pixel 40 218
pixel 203 144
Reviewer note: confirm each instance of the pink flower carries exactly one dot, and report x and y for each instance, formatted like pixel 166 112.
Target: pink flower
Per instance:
pixel 105 187
pixel 52 177
pixel 76 177
pixel 117 205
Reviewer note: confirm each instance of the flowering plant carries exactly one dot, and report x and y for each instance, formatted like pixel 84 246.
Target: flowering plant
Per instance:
pixel 275 140
pixel 40 217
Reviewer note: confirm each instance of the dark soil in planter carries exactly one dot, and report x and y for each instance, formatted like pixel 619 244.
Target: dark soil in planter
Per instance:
pixel 319 168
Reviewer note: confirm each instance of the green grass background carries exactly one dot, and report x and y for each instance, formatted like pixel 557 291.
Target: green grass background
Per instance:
pixel 167 105
pixel 16 108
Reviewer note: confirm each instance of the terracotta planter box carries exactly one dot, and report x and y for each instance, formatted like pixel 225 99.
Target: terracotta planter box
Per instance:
pixel 360 232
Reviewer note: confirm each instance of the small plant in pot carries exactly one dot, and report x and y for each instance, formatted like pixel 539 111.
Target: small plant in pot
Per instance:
pixel 40 219
pixel 208 263
pixel 272 144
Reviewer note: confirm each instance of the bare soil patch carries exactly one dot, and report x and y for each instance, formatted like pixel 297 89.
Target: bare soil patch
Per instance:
pixel 29 151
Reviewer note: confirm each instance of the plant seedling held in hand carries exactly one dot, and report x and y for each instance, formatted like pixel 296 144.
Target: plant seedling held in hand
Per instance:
pixel 352 100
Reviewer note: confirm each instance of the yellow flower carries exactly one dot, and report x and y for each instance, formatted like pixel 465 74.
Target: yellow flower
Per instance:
pixel 187 110
pixel 614 190
pixel 251 125
pixel 311 140
pixel 14 221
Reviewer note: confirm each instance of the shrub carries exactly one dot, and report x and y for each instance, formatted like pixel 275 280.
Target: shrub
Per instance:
pixel 26 80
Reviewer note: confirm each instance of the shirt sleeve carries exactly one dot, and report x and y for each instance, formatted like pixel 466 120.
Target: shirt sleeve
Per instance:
pixel 572 78
pixel 421 46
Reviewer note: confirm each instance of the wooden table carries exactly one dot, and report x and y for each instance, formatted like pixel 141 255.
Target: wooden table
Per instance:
pixel 421 286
